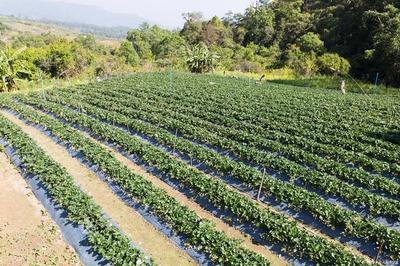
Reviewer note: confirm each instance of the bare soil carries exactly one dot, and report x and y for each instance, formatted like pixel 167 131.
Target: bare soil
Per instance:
pixel 28 236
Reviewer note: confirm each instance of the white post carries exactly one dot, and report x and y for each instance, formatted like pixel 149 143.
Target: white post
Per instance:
pixel 343 86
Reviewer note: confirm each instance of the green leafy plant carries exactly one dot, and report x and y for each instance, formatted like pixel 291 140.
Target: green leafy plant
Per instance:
pixel 12 69
pixel 201 60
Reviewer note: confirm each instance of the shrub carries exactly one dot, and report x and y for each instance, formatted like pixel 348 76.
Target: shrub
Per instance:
pixel 302 62
pixel 333 63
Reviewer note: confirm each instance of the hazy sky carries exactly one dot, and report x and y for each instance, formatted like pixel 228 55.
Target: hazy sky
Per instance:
pixel 168 12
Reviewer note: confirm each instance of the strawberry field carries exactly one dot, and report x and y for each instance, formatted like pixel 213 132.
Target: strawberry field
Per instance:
pixel 310 176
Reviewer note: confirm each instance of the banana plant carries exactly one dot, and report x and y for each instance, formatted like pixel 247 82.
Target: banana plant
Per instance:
pixel 201 60
pixel 12 69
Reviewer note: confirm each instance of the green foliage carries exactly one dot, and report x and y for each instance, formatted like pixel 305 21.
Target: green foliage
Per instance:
pixel 310 42
pixel 201 60
pixel 215 32
pixel 33 41
pixel 129 53
pixel 12 69
pixel 193 27
pixel 87 42
pixel 79 207
pixel 302 62
pixel 330 64
pixel 258 24
pixel 242 129
pixel 199 232
pixel 64 59
pixel 3 27
pixel 386 44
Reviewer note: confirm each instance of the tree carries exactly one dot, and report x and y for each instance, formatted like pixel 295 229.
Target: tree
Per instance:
pixel 302 62
pixel 12 69
pixel 292 20
pixel 64 59
pixel 193 27
pixel 330 64
pixel 129 54
pixel 310 42
pixel 386 45
pixel 216 32
pixel 258 23
pixel 201 60
pixel 140 44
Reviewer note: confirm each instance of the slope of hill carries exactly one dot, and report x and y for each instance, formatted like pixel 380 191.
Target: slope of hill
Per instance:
pixel 66 12
pixel 15 26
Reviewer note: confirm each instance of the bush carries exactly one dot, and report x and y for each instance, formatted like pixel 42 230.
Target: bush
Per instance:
pixel 330 64
pixel 65 59
pixel 251 67
pixel 12 69
pixel 302 62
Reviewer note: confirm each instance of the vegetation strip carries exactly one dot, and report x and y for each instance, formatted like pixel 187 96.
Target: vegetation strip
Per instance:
pixel 133 218
pixel 80 207
pixel 274 119
pixel 328 213
pixel 175 190
pixel 200 233
pixel 182 106
pixel 278 228
pixel 257 141
pixel 331 185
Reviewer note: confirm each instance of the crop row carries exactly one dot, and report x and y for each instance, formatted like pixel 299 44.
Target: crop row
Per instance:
pixel 324 150
pixel 254 140
pixel 235 106
pixel 279 229
pixel 227 93
pixel 301 199
pixel 80 207
pixel 329 214
pixel 208 112
pixel 200 233
pixel 331 185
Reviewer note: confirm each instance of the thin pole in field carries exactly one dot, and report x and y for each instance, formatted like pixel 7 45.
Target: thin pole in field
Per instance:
pixel 176 135
pixel 261 185
pixel 376 80
pixel 170 77
pixel 378 252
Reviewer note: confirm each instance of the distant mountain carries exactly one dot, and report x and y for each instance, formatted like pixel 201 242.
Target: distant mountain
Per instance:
pixel 66 12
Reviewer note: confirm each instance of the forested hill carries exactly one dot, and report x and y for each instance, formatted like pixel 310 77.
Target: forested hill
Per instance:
pixel 367 33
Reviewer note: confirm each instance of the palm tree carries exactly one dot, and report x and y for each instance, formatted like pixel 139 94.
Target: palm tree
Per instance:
pixel 12 69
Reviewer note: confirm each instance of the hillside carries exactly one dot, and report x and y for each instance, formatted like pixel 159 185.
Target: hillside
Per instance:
pixel 16 26
pixel 66 12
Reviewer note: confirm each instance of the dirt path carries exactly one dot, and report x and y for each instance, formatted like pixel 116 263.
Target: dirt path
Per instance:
pixel 28 236
pixel 154 243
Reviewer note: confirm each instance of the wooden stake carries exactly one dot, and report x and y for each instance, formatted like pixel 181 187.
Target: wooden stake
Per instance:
pixel 261 185
pixel 176 135
pixel 379 252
